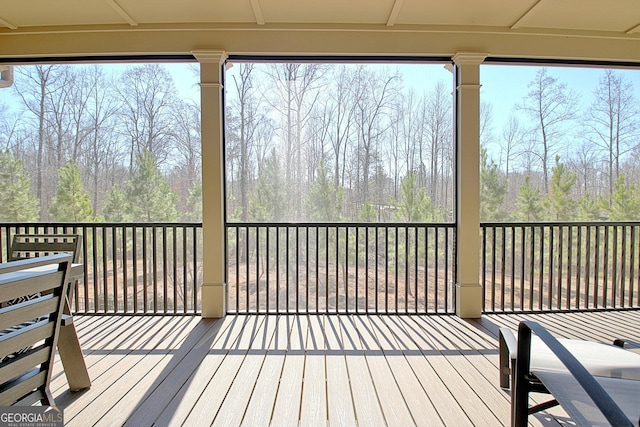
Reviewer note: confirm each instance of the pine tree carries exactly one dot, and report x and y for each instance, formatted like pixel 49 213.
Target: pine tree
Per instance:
pixel 625 202
pixel 367 213
pixel 324 202
pixel 414 204
pixel 194 203
pixel 559 205
pixel 17 202
pixel 588 208
pixel 117 209
pixel 269 201
pixel 528 203
pixel 149 194
pixel 493 190
pixel 71 203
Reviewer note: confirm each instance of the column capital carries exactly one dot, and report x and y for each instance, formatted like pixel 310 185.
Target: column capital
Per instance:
pixel 469 58
pixel 210 56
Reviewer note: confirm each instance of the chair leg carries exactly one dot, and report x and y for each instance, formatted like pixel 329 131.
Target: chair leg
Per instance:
pixel 505 364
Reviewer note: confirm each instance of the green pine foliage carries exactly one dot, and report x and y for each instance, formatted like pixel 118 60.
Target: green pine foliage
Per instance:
pixel 589 209
pixel 324 202
pixel 194 203
pixel 117 207
pixel 559 205
pixel 269 201
pixel 17 202
pixel 625 201
pixel 414 204
pixel 528 202
pixel 71 203
pixel 367 213
pixel 493 190
pixel 150 197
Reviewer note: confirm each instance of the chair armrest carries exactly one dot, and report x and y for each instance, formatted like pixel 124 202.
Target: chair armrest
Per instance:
pixel 508 348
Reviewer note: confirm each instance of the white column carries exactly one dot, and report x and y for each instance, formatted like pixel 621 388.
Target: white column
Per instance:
pixel 468 287
pixel 213 231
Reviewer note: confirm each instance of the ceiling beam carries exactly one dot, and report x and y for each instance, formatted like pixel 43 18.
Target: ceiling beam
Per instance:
pixel 257 12
pixel 395 11
pixel 524 18
pixel 8 24
pixel 123 13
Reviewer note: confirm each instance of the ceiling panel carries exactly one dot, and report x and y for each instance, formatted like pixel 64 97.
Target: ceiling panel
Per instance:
pixel 463 12
pixel 29 13
pixel 166 11
pixel 610 15
pixel 327 11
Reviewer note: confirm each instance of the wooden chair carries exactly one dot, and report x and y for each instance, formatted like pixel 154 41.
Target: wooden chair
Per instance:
pixel 29 330
pixel 35 245
pixel 31 246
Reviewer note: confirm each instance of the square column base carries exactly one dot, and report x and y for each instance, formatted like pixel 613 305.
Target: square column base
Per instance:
pixel 469 300
pixel 213 300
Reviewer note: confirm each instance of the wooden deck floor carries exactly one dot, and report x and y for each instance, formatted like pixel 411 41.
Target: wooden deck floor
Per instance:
pixel 306 370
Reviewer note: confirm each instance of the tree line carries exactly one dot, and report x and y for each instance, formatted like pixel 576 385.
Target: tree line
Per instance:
pixel 309 142
pixel 325 142
pixel 88 143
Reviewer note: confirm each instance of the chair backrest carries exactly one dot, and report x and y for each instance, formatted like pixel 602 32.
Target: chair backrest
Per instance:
pixel 32 296
pixel 35 245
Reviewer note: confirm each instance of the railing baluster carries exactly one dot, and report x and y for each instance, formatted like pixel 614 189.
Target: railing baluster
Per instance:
pixel 587 273
pixel 267 269
pixel 623 266
pixel 185 298
pixel 377 230
pixel 247 266
pixel 257 269
pixel 134 250
pixel 614 268
pixel 635 248
pixel 578 267
pixel 605 279
pixel 560 267
pixel 174 258
pixel 415 266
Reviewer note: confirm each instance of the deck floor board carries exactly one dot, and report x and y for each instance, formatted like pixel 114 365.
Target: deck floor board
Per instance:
pixel 295 370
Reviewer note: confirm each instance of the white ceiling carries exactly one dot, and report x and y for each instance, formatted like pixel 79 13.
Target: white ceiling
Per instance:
pixel 614 17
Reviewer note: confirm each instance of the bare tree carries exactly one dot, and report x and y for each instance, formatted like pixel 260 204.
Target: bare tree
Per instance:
pixel 551 106
pixel 246 106
pixel 510 146
pixel 103 152
pixel 148 95
pixel 188 149
pixel 374 101
pixel 294 96
pixel 341 126
pixel 438 120
pixel 34 86
pixel 612 121
pixel 583 159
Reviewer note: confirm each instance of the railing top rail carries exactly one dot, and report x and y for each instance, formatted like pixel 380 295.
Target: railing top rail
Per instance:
pixel 342 224
pixel 560 223
pixel 100 224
